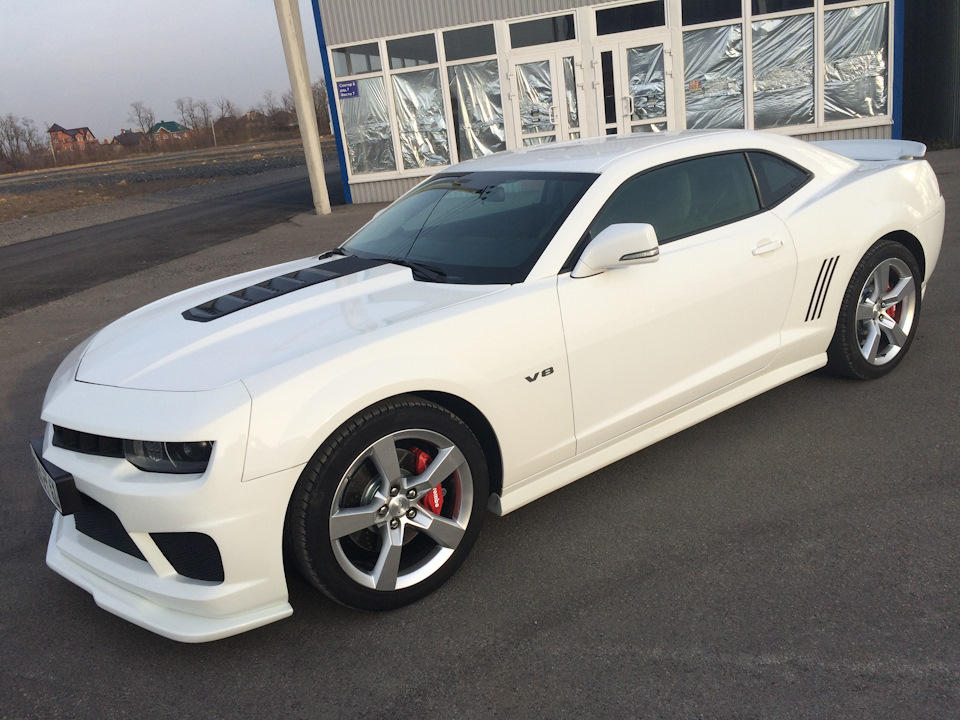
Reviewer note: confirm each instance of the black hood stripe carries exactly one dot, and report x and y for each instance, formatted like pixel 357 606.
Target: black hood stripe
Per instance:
pixel 280 285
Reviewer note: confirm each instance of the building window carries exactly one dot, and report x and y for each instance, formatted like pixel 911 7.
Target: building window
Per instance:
pixel 855 62
pixel 542 32
pixel 648 97
pixel 469 42
pixel 477 108
pixel 357 60
pixel 713 59
pixel 766 7
pixel 412 51
pixel 366 122
pixel 696 12
pixel 422 124
pixel 630 17
pixel 783 71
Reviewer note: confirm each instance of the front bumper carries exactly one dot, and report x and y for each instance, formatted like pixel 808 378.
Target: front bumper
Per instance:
pixel 127 568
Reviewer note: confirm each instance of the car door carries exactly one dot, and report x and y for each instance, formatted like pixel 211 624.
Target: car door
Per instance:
pixel 648 339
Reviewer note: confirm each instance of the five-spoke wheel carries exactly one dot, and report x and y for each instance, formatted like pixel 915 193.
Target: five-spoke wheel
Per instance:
pixel 388 508
pixel 879 313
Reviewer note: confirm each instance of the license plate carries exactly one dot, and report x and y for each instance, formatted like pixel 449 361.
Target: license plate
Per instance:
pixel 57 483
pixel 49 486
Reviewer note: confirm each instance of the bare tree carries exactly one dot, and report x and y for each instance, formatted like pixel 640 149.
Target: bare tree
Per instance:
pixel 320 106
pixel 287 102
pixel 141 116
pixel 20 140
pixel 269 105
pixel 186 107
pixel 226 109
pixel 203 113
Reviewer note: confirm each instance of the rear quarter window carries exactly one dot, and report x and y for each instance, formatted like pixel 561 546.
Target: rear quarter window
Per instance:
pixel 777 179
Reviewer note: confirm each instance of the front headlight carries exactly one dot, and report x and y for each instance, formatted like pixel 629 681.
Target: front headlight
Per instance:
pixel 168 457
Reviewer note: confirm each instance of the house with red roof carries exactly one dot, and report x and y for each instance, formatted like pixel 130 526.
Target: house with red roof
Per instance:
pixel 62 139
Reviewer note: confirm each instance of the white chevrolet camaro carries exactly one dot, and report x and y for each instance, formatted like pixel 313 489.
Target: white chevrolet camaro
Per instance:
pixel 511 324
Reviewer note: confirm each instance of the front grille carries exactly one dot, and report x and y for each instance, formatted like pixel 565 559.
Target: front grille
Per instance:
pixel 193 555
pixel 87 443
pixel 100 523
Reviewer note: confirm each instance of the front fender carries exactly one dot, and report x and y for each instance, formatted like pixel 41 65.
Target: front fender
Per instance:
pixel 491 352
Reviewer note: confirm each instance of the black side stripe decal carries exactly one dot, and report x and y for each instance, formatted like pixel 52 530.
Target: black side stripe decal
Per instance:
pixel 819 296
pixel 281 285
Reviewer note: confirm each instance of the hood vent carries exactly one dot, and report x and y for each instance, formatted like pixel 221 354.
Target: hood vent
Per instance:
pixel 281 285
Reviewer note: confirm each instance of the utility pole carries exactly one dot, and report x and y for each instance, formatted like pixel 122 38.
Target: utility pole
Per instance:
pixel 291 33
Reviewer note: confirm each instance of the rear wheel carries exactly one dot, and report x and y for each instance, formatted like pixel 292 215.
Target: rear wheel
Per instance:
pixel 878 315
pixel 389 507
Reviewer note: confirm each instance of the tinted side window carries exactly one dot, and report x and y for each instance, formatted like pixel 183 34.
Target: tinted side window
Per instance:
pixel 776 177
pixel 684 198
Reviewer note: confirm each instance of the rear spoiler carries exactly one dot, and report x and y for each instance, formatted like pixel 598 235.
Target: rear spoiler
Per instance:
pixel 875 149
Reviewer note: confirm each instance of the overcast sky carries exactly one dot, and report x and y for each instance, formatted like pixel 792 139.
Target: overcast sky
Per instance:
pixel 82 63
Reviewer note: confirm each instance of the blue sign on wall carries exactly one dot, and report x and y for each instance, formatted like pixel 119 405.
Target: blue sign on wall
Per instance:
pixel 347 89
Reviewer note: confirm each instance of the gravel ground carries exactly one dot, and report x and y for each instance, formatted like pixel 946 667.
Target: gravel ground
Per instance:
pixel 244 176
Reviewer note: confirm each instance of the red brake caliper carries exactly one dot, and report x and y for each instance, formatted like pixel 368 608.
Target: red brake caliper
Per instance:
pixel 433 500
pixel 893 312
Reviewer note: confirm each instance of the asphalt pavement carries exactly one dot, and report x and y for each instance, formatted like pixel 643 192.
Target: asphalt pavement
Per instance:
pixel 796 557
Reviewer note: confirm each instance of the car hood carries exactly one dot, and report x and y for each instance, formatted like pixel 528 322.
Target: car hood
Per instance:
pixel 158 348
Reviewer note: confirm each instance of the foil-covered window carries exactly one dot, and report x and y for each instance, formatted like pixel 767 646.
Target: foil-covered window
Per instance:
pixel 570 90
pixel 477 108
pixel 650 128
pixel 366 121
pixel 783 71
pixel 422 124
pixel 855 54
pixel 645 73
pixel 535 87
pixel 713 60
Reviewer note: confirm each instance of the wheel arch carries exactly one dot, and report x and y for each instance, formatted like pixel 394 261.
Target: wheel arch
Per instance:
pixel 911 243
pixel 479 425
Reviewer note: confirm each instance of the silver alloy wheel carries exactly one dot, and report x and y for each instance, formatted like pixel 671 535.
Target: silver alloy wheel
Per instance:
pixel 886 311
pixel 383 536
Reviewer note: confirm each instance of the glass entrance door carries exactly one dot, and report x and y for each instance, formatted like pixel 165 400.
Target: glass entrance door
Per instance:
pixel 635 92
pixel 547 97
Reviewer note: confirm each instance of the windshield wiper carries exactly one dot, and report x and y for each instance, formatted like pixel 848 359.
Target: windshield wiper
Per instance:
pixel 421 271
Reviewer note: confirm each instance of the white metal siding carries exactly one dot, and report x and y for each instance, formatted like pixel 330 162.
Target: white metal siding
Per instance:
pixel 876 132
pixel 358 20
pixel 382 190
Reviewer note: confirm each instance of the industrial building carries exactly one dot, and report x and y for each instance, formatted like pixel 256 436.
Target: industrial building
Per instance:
pixel 419 85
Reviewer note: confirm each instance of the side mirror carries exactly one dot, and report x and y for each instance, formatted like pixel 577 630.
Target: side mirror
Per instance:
pixel 618 246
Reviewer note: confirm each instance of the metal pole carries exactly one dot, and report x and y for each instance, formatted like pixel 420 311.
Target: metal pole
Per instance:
pixel 291 33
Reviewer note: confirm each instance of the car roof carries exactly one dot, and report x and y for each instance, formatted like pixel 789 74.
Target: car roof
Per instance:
pixel 599 154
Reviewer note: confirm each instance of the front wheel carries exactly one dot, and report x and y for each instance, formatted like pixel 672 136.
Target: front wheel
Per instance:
pixel 389 507
pixel 878 315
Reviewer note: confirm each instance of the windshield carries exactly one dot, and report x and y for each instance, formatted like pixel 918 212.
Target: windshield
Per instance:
pixel 476 228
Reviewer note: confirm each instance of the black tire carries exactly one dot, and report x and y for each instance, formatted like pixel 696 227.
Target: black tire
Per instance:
pixel 364 525
pixel 879 313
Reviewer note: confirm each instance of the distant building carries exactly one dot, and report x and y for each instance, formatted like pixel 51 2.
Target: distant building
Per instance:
pixel 71 140
pixel 167 130
pixel 127 138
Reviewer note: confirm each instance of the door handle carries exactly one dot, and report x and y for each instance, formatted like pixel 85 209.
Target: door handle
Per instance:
pixel 766 246
pixel 630 107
